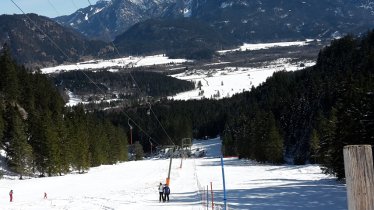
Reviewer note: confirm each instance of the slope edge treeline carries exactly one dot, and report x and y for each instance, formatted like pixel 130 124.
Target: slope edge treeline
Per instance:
pixel 309 115
pixel 295 117
pixel 42 137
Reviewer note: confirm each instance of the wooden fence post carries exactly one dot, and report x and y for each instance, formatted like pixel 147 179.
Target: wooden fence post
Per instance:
pixel 359 173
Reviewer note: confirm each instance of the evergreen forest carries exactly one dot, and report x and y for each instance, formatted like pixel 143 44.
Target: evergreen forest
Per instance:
pixel 149 83
pixel 42 137
pixel 300 117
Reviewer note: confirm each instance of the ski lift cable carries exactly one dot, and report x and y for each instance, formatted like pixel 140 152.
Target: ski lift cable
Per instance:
pixel 133 79
pixel 150 108
pixel 54 8
pixel 115 49
pixel 53 43
pixel 64 54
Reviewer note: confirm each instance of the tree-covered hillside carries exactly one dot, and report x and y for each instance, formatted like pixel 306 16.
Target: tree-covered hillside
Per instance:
pixel 309 115
pixel 179 37
pixel 42 137
pixel 37 41
pixel 150 83
pixel 295 117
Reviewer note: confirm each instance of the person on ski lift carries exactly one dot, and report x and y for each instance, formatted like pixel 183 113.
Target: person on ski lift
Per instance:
pixel 161 192
pixel 166 193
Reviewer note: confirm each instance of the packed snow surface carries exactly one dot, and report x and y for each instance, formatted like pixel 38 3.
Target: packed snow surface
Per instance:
pixel 133 185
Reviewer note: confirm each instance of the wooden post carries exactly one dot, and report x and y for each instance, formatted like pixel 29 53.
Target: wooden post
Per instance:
pixel 359 173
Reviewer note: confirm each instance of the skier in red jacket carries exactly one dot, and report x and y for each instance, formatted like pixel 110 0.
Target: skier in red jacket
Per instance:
pixel 11 195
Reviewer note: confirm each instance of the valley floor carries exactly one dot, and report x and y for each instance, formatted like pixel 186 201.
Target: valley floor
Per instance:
pixel 133 185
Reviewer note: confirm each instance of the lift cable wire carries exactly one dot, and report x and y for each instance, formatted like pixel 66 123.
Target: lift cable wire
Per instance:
pixel 63 53
pixel 135 82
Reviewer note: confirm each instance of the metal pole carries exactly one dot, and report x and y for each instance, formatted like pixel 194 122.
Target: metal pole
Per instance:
pixel 131 135
pixel 128 122
pixel 224 185
pixel 211 190
pixel 207 197
pixel 171 159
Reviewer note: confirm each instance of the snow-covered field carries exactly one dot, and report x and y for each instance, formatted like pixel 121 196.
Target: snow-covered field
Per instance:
pixel 133 185
pixel 261 46
pixel 221 83
pixel 125 62
pixel 216 83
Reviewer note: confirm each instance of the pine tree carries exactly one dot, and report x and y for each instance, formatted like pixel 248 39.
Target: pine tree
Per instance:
pixel 15 142
pixel 38 141
pixel 274 142
pixel 139 153
pixel 1 120
pixel 314 146
pixel 9 78
pixel 99 143
pixel 327 137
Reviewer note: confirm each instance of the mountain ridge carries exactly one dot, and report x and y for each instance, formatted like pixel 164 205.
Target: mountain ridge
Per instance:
pixel 246 20
pixel 33 47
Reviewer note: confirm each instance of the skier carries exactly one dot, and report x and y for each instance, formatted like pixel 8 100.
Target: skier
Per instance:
pixel 11 195
pixel 166 193
pixel 45 195
pixel 161 191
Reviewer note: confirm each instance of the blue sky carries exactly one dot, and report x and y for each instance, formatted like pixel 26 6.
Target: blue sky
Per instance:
pixel 49 8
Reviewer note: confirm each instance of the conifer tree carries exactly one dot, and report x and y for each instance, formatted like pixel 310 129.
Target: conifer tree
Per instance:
pixel 1 120
pixel 9 78
pixel 274 143
pixel 15 142
pixel 328 136
pixel 79 140
pixel 99 144
pixel 314 146
pixel 139 153
pixel 38 141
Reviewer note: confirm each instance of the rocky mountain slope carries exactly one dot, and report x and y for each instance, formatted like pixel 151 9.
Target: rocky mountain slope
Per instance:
pixel 246 20
pixel 107 19
pixel 30 46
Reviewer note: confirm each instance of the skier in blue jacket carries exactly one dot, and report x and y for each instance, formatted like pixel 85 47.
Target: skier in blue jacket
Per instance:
pixel 166 192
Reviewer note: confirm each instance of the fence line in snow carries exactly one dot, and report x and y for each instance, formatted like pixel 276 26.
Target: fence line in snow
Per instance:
pixel 207 201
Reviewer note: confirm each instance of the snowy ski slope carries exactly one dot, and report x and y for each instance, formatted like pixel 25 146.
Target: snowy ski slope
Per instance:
pixel 133 185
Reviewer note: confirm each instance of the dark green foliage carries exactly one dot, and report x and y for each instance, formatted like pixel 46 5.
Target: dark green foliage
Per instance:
pixel 9 79
pixel 41 137
pixel 298 117
pixel 317 111
pixel 150 83
pixel 1 119
pixel 138 150
pixel 15 141
pixel 315 146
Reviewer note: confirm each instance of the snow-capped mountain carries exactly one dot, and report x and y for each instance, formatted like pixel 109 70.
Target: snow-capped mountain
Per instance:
pixel 30 45
pixel 107 19
pixel 246 20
